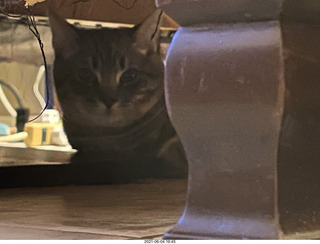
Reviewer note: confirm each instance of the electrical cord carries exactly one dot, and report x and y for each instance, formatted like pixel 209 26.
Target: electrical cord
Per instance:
pixel 33 28
pixel 36 85
pixel 14 92
pixel 22 112
pixel 6 103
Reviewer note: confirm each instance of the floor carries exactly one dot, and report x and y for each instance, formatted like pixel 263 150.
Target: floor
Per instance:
pixel 143 210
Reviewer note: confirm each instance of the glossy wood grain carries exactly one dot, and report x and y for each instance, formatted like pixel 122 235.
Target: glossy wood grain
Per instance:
pixel 143 210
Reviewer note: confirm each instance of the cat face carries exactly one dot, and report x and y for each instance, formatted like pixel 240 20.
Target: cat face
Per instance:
pixel 106 79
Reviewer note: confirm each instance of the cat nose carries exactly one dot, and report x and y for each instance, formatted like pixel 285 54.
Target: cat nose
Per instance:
pixel 109 102
pixel 108 97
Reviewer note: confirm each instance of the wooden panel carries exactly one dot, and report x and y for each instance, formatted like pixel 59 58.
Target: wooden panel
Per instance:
pixel 27 233
pixel 118 11
pixel 144 210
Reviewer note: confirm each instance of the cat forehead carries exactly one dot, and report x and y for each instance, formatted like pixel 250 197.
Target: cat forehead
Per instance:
pixel 105 42
pixel 115 43
pixel 114 37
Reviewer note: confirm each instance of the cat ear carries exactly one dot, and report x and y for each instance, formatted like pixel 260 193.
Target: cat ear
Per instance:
pixel 64 36
pixel 148 32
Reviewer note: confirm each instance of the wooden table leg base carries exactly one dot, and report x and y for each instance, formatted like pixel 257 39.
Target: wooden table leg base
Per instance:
pixel 244 99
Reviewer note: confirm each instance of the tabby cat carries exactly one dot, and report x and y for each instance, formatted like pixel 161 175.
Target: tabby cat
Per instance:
pixel 109 83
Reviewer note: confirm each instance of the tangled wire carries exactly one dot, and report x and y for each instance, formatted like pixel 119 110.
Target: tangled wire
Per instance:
pixel 17 6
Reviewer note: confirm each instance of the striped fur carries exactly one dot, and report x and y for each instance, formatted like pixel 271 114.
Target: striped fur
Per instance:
pixel 109 84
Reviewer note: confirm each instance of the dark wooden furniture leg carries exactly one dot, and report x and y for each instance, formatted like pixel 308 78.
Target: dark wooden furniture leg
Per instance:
pixel 243 92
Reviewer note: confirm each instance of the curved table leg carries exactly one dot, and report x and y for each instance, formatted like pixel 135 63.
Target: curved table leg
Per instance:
pixel 245 101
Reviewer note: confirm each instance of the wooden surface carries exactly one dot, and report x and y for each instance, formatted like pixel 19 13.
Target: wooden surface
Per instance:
pixel 144 210
pixel 116 11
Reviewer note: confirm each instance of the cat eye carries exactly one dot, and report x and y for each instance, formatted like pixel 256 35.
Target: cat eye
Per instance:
pixel 86 76
pixel 129 77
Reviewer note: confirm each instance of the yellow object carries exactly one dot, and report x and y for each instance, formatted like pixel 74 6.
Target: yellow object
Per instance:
pixel 31 2
pixel 14 137
pixel 38 133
